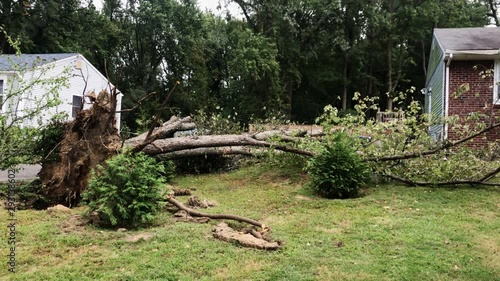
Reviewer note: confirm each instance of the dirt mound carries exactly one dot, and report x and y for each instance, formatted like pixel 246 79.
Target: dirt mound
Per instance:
pixel 88 140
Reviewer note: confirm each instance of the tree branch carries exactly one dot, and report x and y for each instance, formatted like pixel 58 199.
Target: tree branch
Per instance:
pixel 435 150
pixel 481 181
pixel 214 216
pixel 138 103
pixel 148 140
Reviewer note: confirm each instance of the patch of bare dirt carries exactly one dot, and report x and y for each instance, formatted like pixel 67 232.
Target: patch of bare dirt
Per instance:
pixel 58 209
pixel 304 198
pixel 75 223
pixel 491 246
pixel 133 238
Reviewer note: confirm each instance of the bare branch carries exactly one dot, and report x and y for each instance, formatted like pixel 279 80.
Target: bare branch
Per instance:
pixel 148 140
pixel 481 181
pixel 214 216
pixel 492 5
pixel 138 103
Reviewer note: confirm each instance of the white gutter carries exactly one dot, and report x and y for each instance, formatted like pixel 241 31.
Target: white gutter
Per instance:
pixel 447 96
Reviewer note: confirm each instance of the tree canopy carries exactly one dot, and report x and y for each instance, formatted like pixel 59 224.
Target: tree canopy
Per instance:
pixel 283 58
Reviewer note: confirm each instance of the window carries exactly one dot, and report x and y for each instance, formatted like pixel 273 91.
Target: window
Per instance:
pixel 77 105
pixel 496 83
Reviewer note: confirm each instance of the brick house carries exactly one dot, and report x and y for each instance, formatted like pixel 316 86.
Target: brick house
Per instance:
pixel 460 80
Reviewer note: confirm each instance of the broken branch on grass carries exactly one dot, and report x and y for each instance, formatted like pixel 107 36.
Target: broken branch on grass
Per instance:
pixel 214 216
pixel 482 181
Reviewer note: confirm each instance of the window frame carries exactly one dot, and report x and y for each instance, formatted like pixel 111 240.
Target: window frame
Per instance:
pixel 75 109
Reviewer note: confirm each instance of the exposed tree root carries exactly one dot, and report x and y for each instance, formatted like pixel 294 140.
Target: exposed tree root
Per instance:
pixel 88 140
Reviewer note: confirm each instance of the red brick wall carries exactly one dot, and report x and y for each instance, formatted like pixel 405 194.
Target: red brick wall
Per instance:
pixel 479 98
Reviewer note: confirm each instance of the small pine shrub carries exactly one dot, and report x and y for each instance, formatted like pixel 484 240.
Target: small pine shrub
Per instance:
pixel 338 171
pixel 126 190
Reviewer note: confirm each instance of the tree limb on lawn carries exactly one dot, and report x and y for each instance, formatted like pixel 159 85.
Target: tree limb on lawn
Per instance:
pixel 481 181
pixel 214 216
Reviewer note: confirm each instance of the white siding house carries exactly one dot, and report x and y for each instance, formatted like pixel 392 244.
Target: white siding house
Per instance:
pixel 28 81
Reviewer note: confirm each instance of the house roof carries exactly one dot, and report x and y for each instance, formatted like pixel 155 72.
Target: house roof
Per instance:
pixel 473 38
pixel 12 62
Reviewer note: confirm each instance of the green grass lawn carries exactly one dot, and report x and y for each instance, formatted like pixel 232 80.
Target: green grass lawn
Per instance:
pixel 391 233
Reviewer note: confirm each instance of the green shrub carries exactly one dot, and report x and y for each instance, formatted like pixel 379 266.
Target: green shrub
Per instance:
pixel 46 147
pixel 126 191
pixel 338 171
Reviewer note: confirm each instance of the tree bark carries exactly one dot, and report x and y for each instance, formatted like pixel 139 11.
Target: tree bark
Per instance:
pixel 165 146
pixel 166 130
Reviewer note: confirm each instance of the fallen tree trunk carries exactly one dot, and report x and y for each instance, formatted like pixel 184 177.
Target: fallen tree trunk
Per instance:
pixel 166 130
pixel 165 146
pixel 225 150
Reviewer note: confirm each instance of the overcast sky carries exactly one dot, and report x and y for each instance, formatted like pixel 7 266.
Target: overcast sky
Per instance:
pixel 204 5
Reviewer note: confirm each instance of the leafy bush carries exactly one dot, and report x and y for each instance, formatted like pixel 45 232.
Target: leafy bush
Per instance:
pixel 338 171
pixel 218 122
pixel 126 191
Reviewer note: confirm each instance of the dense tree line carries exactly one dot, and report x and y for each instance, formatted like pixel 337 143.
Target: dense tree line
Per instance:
pixel 285 57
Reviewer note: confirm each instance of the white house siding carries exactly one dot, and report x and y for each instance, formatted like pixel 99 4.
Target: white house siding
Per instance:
pixel 82 78
pixel 9 103
pixel 4 78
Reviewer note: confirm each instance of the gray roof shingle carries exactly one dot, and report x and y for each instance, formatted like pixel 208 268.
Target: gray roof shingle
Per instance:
pixel 11 62
pixel 473 38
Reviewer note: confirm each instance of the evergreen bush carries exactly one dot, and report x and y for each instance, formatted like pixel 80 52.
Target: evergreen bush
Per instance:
pixel 338 171
pixel 126 190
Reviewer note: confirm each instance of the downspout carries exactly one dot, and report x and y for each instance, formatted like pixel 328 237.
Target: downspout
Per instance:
pixel 447 96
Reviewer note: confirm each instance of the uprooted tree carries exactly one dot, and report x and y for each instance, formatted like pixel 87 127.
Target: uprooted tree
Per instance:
pixel 398 150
